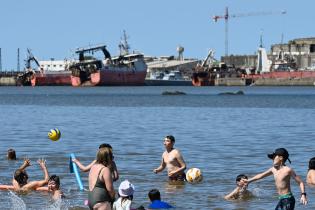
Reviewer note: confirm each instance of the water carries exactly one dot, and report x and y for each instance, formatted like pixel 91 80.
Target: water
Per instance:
pixel 220 134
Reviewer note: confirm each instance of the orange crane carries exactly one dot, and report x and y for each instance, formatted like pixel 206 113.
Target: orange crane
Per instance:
pixel 227 16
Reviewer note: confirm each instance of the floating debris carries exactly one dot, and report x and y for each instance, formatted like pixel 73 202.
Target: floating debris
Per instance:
pixel 173 93
pixel 240 92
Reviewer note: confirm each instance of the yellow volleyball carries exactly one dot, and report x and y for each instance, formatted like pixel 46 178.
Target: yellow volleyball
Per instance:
pixel 194 175
pixel 54 134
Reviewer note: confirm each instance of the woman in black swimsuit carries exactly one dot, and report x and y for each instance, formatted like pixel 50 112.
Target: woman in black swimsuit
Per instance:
pixel 101 189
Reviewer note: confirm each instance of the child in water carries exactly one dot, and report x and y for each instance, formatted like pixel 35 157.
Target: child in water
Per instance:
pixel 282 175
pixel 125 190
pixel 310 178
pixel 240 192
pixel 53 186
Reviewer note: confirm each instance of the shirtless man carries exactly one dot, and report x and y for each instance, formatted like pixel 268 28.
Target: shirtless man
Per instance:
pixel 172 160
pixel 282 175
pixel 20 178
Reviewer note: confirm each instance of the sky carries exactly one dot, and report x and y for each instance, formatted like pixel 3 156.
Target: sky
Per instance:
pixel 55 28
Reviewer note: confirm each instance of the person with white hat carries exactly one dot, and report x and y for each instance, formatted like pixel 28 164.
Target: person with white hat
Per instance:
pixel 125 190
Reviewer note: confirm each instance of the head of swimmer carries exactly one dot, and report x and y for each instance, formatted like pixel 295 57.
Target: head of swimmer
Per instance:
pixel 104 156
pixel 11 155
pixel 169 142
pixel 241 180
pixel 21 177
pixel 107 146
pixel 53 183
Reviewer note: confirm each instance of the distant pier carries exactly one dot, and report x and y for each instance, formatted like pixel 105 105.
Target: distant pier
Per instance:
pixel 9 78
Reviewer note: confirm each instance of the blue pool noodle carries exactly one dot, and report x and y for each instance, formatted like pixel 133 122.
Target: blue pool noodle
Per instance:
pixel 74 169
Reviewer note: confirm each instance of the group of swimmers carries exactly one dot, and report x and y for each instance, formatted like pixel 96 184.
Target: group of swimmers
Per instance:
pixel 103 172
pixel 282 175
pixel 20 182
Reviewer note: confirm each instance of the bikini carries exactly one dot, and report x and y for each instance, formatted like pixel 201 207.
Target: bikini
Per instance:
pixel 99 193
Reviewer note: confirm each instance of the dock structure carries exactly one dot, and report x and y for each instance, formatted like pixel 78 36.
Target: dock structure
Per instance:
pixel 169 63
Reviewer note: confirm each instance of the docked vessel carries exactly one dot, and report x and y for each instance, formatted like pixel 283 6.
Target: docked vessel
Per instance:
pixel 48 73
pixel 169 78
pixel 281 71
pixel 125 69
pixel 210 72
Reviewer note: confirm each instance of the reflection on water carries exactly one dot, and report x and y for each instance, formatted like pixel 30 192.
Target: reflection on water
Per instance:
pixel 222 135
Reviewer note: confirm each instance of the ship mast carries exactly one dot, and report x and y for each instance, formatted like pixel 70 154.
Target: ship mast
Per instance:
pixel 123 45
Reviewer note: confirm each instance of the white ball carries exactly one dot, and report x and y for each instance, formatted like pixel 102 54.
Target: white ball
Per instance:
pixel 194 175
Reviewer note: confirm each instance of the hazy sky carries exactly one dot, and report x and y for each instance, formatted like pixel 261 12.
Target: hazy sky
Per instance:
pixel 54 28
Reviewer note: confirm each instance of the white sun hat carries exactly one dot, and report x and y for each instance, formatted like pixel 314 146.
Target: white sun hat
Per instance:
pixel 126 189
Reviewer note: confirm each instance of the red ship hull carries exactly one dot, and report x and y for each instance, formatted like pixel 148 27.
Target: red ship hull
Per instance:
pixel 112 78
pixel 51 79
pixel 284 75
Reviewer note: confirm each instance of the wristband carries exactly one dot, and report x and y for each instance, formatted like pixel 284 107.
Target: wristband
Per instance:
pixel 303 194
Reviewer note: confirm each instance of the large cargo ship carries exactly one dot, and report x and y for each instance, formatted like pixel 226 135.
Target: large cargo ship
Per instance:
pixel 48 73
pixel 126 69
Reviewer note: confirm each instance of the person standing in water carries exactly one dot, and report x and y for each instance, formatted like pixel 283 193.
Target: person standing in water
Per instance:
pixel 101 190
pixel 310 178
pixel 282 175
pixel 87 168
pixel 173 160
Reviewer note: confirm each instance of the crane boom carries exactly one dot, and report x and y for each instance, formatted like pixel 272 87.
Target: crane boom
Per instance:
pixel 227 16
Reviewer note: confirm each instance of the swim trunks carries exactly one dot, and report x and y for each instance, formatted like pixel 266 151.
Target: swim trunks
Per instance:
pixel 286 202
pixel 180 177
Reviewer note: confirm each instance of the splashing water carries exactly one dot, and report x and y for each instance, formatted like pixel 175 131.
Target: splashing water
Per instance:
pixel 15 202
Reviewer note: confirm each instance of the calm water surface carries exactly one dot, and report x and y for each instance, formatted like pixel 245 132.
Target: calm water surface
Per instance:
pixel 220 134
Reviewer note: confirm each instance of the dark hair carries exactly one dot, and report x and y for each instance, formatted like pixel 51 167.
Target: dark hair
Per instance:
pixel 105 145
pixel 240 177
pixel 11 154
pixel 54 178
pixel 104 156
pixel 140 208
pixel 311 164
pixel 170 137
pixel 154 194
pixel 21 177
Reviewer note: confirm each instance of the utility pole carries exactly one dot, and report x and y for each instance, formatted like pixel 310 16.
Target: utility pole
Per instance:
pixel 0 60
pixel 18 59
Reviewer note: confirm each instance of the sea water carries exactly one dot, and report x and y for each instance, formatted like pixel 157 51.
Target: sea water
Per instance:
pixel 223 135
